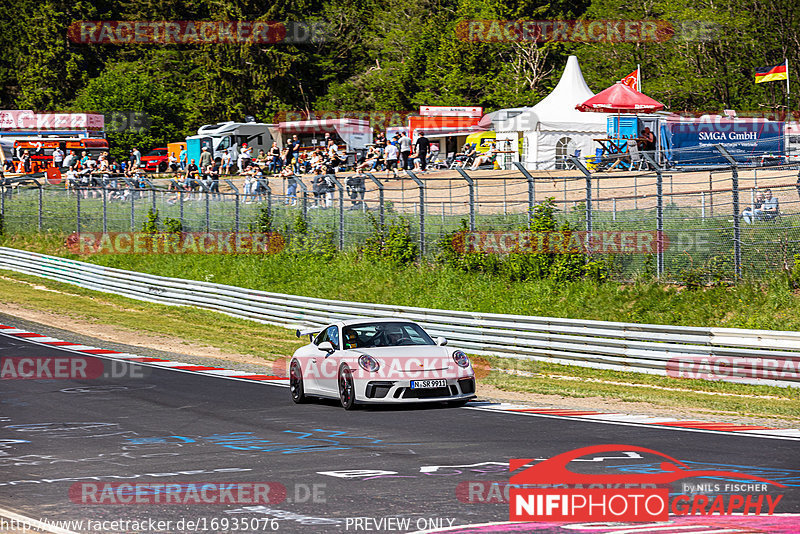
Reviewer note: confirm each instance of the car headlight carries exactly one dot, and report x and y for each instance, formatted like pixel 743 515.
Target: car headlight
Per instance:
pixel 368 363
pixel 461 359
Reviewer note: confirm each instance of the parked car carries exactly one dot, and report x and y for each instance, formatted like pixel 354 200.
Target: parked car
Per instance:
pixel 362 361
pixel 157 160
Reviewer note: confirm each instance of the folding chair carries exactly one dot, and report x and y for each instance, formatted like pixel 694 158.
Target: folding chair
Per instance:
pixel 636 156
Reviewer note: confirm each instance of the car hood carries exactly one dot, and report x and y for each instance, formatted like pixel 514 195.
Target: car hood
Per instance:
pixel 429 357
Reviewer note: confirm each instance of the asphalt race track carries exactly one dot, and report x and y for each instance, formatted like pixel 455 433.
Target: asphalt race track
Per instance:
pixel 65 441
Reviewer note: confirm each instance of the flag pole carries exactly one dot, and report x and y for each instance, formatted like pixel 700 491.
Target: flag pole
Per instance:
pixel 639 77
pixel 787 89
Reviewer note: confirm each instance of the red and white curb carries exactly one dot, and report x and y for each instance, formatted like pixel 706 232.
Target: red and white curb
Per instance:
pixel 518 409
pixel 643 420
pixel 143 360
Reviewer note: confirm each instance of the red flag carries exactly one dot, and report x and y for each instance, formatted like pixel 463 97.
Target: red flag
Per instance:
pixel 632 80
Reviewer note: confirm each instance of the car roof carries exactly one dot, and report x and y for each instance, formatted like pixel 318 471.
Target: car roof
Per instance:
pixel 368 320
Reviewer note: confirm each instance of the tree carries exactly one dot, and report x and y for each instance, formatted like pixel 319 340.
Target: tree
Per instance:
pixel 143 104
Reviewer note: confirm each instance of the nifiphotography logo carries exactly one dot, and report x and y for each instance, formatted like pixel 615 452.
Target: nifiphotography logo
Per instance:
pixel 548 491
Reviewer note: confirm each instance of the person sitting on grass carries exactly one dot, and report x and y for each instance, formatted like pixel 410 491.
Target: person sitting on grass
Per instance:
pixel 768 210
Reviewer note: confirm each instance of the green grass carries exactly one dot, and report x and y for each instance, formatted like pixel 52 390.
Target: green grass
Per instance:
pixel 193 325
pixel 768 304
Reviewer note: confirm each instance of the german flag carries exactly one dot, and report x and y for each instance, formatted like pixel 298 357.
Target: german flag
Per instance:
pixel 771 74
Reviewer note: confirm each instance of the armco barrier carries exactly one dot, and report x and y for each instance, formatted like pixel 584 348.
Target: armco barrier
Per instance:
pixel 747 356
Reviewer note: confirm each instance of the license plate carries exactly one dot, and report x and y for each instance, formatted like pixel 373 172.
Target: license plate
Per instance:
pixel 428 384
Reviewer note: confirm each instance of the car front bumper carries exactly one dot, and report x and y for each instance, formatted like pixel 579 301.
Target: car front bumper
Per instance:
pixel 400 391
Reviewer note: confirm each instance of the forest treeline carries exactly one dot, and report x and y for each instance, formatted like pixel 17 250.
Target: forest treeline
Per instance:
pixel 384 55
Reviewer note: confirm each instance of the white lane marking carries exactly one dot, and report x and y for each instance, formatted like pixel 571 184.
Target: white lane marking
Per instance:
pixel 777 431
pixel 630 418
pixel 226 372
pixel 46 339
pixel 30 523
pixel 168 363
pixel 79 348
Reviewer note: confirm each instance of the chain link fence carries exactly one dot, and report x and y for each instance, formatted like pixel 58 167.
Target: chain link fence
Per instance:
pixel 700 217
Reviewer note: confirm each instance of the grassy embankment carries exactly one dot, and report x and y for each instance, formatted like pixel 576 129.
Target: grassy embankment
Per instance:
pixel 770 305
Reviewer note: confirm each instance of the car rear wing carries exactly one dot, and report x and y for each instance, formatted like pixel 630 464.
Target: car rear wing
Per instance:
pixel 307 332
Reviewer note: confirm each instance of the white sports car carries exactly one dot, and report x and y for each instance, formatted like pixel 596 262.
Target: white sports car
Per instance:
pixel 360 361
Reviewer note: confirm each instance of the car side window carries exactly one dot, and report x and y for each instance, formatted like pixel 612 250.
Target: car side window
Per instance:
pixel 333 336
pixel 322 336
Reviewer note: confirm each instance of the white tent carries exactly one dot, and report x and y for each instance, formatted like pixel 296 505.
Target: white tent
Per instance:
pixel 553 128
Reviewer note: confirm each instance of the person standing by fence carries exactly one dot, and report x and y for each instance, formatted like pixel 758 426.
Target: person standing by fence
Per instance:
pixel 422 145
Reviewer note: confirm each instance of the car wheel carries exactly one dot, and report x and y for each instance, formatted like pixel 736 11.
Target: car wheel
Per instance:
pixel 296 383
pixel 347 390
pixel 162 167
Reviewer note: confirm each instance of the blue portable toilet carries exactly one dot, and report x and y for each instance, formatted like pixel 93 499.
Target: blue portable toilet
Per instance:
pixel 622 126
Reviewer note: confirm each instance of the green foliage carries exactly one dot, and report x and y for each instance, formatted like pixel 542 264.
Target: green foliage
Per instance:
pixel 150 225
pixel 392 242
pixel 521 265
pixel 793 273
pixel 265 221
pixel 391 55
pixel 173 226
pixel 310 244
pixel 768 303
pixel 144 106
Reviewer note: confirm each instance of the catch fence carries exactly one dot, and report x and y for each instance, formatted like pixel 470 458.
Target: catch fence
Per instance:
pixel 696 216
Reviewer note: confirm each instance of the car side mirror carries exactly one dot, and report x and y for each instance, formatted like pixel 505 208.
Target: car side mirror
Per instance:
pixel 326 346
pixel 441 341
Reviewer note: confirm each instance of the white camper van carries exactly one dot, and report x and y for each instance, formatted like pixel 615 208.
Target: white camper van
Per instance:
pixel 230 136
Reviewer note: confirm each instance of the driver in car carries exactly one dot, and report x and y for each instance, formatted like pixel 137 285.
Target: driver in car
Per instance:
pixel 350 340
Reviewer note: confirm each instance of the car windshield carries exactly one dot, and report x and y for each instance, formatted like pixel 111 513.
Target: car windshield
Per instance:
pixel 387 334
pixel 157 152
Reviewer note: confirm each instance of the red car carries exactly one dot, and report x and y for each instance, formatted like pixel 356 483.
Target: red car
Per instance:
pixel 157 160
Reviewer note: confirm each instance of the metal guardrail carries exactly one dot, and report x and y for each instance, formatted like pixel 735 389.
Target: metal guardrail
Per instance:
pixel 746 356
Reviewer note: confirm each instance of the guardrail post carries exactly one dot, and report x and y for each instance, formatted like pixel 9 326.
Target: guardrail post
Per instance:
pixel 471 185
pixel 236 206
pixel 421 212
pixel 531 190
pixel 581 167
pixel 380 196
pixel 737 243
